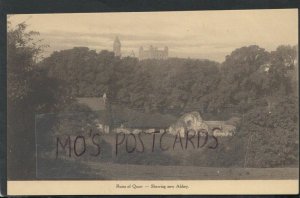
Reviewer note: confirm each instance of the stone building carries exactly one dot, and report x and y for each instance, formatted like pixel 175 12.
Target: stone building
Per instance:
pixel 153 53
pixel 193 121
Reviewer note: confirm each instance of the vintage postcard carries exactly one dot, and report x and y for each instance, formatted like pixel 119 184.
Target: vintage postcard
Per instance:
pixel 185 102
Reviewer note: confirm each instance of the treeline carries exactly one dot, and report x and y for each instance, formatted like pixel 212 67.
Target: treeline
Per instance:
pixel 165 86
pixel 250 76
pixel 258 86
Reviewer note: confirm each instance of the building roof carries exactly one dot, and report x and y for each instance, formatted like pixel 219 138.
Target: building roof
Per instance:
pixel 214 123
pixel 157 121
pixel 135 119
pixel 128 117
pixel 225 127
pixel 94 103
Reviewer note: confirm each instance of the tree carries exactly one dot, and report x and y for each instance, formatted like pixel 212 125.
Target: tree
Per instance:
pixel 282 61
pixel 273 136
pixel 30 92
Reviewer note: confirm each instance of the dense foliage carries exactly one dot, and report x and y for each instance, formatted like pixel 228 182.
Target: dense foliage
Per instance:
pixel 29 91
pixel 252 83
pixel 258 86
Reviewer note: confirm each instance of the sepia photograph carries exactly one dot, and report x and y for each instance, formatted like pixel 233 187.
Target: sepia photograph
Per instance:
pixel 168 96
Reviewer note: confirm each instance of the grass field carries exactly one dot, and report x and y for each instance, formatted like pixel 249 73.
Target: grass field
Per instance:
pixel 112 171
pixel 152 166
pixel 73 169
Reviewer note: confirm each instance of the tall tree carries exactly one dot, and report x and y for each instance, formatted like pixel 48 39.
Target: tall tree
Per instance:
pixel 30 91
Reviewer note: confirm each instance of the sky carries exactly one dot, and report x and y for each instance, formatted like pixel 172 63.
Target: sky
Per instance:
pixel 195 34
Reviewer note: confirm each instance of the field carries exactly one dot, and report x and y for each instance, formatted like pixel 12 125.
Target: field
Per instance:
pixel 173 164
pixel 132 172
pixel 72 169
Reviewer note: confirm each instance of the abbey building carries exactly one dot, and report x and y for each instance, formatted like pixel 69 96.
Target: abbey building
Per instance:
pixel 151 53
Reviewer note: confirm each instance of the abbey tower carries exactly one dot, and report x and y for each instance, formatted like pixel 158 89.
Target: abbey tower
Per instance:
pixel 117 47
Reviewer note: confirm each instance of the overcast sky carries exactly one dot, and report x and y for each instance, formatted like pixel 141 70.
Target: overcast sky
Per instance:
pixel 195 34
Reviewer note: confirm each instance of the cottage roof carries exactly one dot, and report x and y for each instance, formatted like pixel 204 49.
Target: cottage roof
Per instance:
pixel 214 123
pixel 135 119
pixel 94 103
pixel 157 121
